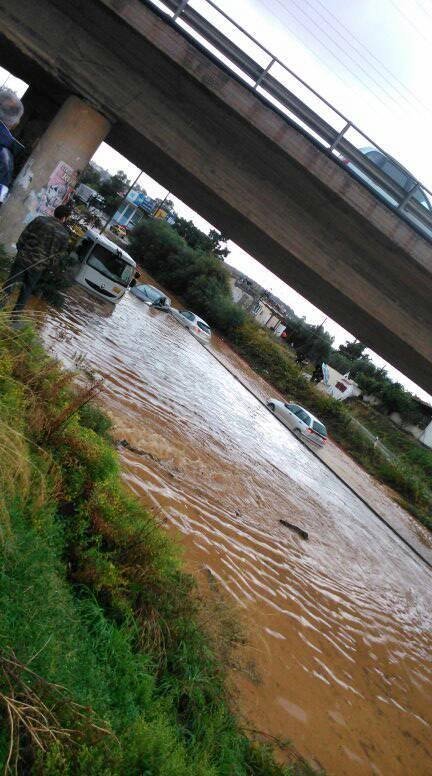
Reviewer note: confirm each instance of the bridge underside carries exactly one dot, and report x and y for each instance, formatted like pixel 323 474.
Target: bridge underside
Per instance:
pixel 215 145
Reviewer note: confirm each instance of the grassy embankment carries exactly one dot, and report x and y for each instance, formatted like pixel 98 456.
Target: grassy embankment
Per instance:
pixel 395 439
pixel 202 281
pixel 105 665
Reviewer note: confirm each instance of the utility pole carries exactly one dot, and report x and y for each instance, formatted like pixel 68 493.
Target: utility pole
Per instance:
pixel 125 196
pixel 159 207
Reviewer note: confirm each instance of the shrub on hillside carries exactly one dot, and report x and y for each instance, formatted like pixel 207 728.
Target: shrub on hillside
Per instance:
pixel 200 278
pixel 420 457
pixel 407 484
pixel 152 241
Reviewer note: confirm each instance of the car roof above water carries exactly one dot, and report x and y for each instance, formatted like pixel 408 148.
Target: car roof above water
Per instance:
pixel 314 417
pixel 92 234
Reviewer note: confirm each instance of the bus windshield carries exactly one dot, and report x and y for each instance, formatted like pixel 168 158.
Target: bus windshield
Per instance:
pixel 110 265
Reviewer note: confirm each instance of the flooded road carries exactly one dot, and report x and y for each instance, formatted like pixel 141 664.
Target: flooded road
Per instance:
pixel 340 624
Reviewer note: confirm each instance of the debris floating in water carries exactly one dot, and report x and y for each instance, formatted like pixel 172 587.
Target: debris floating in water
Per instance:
pixel 299 531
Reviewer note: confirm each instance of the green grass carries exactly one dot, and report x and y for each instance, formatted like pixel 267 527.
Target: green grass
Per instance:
pixel 399 442
pixel 105 667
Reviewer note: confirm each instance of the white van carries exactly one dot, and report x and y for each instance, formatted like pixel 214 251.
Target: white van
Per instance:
pixel 105 269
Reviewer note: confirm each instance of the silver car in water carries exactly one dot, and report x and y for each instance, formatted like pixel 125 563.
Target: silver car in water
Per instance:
pixel 300 421
pixel 196 325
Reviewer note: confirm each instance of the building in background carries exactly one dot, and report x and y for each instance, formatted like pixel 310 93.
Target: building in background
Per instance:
pixel 88 195
pixel 261 304
pixel 269 314
pixel 339 386
pixel 134 208
pixel 422 430
pixel 137 206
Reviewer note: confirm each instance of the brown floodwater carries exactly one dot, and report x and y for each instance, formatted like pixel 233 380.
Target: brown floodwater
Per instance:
pixel 340 625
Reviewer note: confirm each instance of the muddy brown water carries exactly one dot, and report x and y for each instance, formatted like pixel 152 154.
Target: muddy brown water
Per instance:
pixel 341 624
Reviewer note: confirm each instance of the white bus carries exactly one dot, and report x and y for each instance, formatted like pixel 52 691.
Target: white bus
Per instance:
pixel 105 269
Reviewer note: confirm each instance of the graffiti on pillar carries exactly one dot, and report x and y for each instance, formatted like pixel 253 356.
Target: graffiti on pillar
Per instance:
pixel 58 190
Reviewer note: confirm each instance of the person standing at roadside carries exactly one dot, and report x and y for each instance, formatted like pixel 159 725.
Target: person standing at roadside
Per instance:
pixel 11 111
pixel 40 246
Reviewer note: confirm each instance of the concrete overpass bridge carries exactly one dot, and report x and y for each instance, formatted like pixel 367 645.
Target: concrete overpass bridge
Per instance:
pixel 207 134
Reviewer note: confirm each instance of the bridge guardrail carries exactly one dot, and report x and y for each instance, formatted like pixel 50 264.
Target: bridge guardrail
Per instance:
pixel 273 80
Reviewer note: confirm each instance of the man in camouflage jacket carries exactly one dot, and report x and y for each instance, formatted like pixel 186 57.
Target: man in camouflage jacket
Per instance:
pixel 40 246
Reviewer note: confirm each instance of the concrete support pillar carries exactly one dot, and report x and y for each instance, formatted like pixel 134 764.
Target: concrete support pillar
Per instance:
pixel 39 111
pixel 52 170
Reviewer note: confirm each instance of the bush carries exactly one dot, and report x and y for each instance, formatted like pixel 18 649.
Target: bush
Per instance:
pixel 420 457
pixel 91 416
pixel 200 278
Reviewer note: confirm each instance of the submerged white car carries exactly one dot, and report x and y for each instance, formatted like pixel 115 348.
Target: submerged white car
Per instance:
pixel 304 425
pixel 196 325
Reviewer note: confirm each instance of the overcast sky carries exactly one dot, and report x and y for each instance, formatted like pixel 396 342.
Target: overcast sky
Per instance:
pixel 368 58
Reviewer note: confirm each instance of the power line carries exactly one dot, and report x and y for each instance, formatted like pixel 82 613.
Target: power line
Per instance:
pixel 369 52
pixel 343 64
pixel 410 22
pixel 345 52
pixel 425 10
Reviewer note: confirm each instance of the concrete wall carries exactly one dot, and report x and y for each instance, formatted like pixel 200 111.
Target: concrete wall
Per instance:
pixel 426 436
pixel 415 431
pixel 423 435
pixel 201 133
pixel 372 400
pixel 236 292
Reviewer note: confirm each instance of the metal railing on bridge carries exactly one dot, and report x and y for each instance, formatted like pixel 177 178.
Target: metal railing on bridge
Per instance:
pixel 290 95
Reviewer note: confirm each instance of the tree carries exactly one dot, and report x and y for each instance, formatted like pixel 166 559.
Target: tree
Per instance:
pixel 113 189
pixel 201 278
pixel 167 204
pixel 139 188
pixel 319 344
pixel 152 242
pixel 340 362
pixel 353 350
pixel 213 242
pixel 313 342
pixel 218 241
pixel 91 177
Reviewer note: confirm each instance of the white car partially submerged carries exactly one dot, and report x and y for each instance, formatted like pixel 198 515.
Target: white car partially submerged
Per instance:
pixel 196 325
pixel 152 296
pixel 304 425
